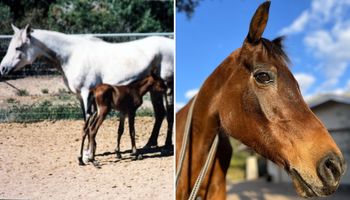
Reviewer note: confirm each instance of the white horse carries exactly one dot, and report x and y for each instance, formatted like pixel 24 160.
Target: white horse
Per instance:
pixel 88 61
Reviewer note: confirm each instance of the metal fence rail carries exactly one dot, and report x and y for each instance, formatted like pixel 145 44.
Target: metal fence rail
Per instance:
pixel 112 35
pixel 34 101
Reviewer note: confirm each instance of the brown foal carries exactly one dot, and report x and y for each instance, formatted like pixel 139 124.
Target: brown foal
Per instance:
pixel 253 97
pixel 126 99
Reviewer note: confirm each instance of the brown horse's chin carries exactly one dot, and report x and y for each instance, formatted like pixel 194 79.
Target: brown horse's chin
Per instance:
pixel 307 190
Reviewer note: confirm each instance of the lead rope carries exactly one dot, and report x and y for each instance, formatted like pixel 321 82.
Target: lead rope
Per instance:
pixel 208 161
pixel 205 168
pixel 185 140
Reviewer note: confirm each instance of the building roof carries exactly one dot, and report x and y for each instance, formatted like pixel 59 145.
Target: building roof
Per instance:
pixel 323 98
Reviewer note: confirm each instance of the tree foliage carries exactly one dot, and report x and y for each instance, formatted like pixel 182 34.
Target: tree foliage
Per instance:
pixel 187 6
pixel 88 16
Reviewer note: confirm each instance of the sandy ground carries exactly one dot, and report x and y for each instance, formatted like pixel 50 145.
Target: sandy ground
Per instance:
pixel 39 161
pixel 33 84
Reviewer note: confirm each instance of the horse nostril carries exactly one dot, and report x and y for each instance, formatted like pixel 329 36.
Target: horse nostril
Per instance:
pixel 3 70
pixel 330 170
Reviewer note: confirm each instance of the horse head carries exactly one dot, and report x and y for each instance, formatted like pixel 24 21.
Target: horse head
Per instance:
pixel 158 84
pixel 20 51
pixel 261 105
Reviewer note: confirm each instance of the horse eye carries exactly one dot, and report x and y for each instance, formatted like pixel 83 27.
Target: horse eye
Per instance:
pixel 263 77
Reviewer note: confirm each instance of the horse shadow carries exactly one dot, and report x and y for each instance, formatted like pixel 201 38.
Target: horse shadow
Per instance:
pixel 146 153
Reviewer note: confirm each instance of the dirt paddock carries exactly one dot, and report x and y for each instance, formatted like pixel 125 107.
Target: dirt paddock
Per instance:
pixel 39 161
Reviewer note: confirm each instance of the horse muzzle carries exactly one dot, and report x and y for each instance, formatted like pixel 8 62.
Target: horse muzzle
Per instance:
pixel 329 171
pixel 4 70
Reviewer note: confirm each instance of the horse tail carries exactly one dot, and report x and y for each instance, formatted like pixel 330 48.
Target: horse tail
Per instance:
pixel 91 104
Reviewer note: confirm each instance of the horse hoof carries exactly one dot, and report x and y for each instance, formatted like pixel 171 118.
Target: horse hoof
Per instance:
pixel 169 147
pixel 96 164
pixel 139 157
pixel 136 157
pixel 81 163
pixel 167 152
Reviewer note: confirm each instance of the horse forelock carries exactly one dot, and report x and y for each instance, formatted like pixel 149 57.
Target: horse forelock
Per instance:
pixel 275 48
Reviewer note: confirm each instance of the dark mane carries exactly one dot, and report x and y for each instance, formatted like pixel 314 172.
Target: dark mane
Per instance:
pixel 276 48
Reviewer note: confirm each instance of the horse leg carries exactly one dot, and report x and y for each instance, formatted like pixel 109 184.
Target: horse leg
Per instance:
pixel 85 132
pixel 92 147
pixel 120 133
pixel 134 152
pixel 159 113
pixel 170 118
pixel 84 93
pixel 91 126
pixel 92 135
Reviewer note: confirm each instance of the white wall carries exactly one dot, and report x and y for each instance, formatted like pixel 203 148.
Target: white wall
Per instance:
pixel 334 115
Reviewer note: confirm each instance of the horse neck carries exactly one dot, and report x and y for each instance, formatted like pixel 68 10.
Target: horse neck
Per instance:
pixel 206 105
pixel 142 86
pixel 50 42
pixel 205 120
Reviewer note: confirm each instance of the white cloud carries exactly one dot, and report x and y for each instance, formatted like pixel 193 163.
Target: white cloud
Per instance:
pixel 179 105
pixel 332 49
pixel 342 90
pixel 326 31
pixel 321 41
pixel 298 24
pixel 347 87
pixel 339 91
pixel 305 81
pixel 190 93
pixel 320 13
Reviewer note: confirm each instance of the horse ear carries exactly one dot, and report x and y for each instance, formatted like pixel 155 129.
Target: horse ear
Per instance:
pixel 14 28
pixel 279 41
pixel 25 33
pixel 258 22
pixel 28 29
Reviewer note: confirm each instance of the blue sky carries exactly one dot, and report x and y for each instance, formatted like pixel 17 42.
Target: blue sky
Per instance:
pixel 318 41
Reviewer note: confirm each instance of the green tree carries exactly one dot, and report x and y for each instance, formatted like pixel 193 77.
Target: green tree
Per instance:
pixel 90 16
pixel 5 16
pixel 187 6
pixel 22 12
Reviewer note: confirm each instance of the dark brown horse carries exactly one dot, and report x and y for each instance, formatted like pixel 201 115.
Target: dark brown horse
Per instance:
pixel 126 99
pixel 253 97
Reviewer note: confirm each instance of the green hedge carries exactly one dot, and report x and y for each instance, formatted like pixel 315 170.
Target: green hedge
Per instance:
pixel 47 111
